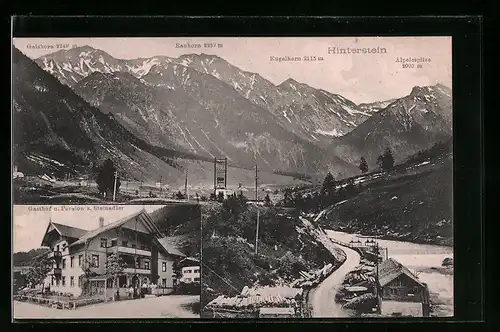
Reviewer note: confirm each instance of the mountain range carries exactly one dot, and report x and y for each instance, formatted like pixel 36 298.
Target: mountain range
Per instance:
pixel 82 104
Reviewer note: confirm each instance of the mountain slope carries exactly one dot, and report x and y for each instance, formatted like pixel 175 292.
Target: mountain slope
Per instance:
pixel 55 131
pixel 414 204
pixel 314 115
pixel 174 105
pixel 407 125
pixel 374 107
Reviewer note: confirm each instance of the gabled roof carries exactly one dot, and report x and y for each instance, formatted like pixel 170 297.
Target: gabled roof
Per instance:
pixel 390 269
pixel 141 216
pixel 192 259
pixel 169 246
pixel 64 230
pixel 69 231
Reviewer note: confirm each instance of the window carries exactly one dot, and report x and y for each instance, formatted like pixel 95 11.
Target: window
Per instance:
pixel 71 264
pixel 133 245
pixel 196 271
pixel 163 266
pixel 196 279
pixel 79 282
pixel 72 281
pixel 114 243
pixel 64 263
pixel 104 243
pixel 95 260
pixel 80 260
pixel 164 281
pixel 124 243
pixel 393 291
pixel 64 281
pixel 146 265
pixel 57 282
pixel 52 281
pixel 57 248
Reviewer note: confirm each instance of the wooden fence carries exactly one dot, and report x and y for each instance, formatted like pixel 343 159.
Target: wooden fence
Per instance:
pixel 61 302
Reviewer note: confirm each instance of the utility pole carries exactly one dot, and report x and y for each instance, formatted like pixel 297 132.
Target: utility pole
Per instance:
pixel 257 202
pixel 186 186
pixel 114 186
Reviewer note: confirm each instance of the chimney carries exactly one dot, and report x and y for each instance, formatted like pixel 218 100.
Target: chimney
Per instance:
pixel 101 222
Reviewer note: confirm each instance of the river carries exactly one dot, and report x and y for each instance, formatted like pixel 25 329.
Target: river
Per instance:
pixel 422 259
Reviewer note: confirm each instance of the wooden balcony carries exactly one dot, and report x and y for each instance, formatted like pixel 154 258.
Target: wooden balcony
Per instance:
pixel 55 255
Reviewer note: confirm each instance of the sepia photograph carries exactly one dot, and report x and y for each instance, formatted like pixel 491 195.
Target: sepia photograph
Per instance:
pixel 367 230
pixel 107 261
pixel 320 168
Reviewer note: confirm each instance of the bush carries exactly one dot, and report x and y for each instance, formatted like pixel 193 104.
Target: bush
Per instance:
pixel 290 265
pixel 447 262
pixel 187 288
pixel 363 303
pixel 341 294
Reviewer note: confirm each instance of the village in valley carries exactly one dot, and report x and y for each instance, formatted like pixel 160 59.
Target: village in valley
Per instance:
pixel 280 261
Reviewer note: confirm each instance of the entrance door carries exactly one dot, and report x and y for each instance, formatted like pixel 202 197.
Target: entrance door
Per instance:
pixel 135 281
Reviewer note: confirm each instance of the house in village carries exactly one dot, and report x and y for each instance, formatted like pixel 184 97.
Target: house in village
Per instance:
pixel 400 291
pixel 190 270
pixel 136 239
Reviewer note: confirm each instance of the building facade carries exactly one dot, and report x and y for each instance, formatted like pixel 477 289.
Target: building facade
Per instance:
pixel 190 274
pixel 400 291
pixel 79 255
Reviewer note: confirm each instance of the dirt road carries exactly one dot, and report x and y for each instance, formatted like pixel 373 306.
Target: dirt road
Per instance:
pixel 171 306
pixel 322 298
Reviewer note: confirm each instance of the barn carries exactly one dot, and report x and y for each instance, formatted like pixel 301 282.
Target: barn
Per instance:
pixel 401 293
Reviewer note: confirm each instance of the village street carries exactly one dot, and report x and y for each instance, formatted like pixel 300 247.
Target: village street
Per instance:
pixel 322 298
pixel 171 306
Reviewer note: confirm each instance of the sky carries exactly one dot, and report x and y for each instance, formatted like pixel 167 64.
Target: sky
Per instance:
pixel 361 77
pixel 29 225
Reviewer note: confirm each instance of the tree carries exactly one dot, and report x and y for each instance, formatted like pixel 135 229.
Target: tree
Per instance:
pixel 235 204
pixel 267 200
pixel 287 199
pixel 363 165
pixel 106 178
pixel 328 187
pixel 386 160
pixel 113 268
pixel 220 196
pixel 39 268
pixel 350 188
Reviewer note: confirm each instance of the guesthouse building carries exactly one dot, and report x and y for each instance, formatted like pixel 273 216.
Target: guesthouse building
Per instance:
pixel 81 255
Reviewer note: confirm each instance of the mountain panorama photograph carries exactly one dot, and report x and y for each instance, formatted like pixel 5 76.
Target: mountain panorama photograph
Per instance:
pixel 323 165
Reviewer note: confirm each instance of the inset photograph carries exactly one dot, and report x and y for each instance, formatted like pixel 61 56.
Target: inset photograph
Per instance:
pixel 106 262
